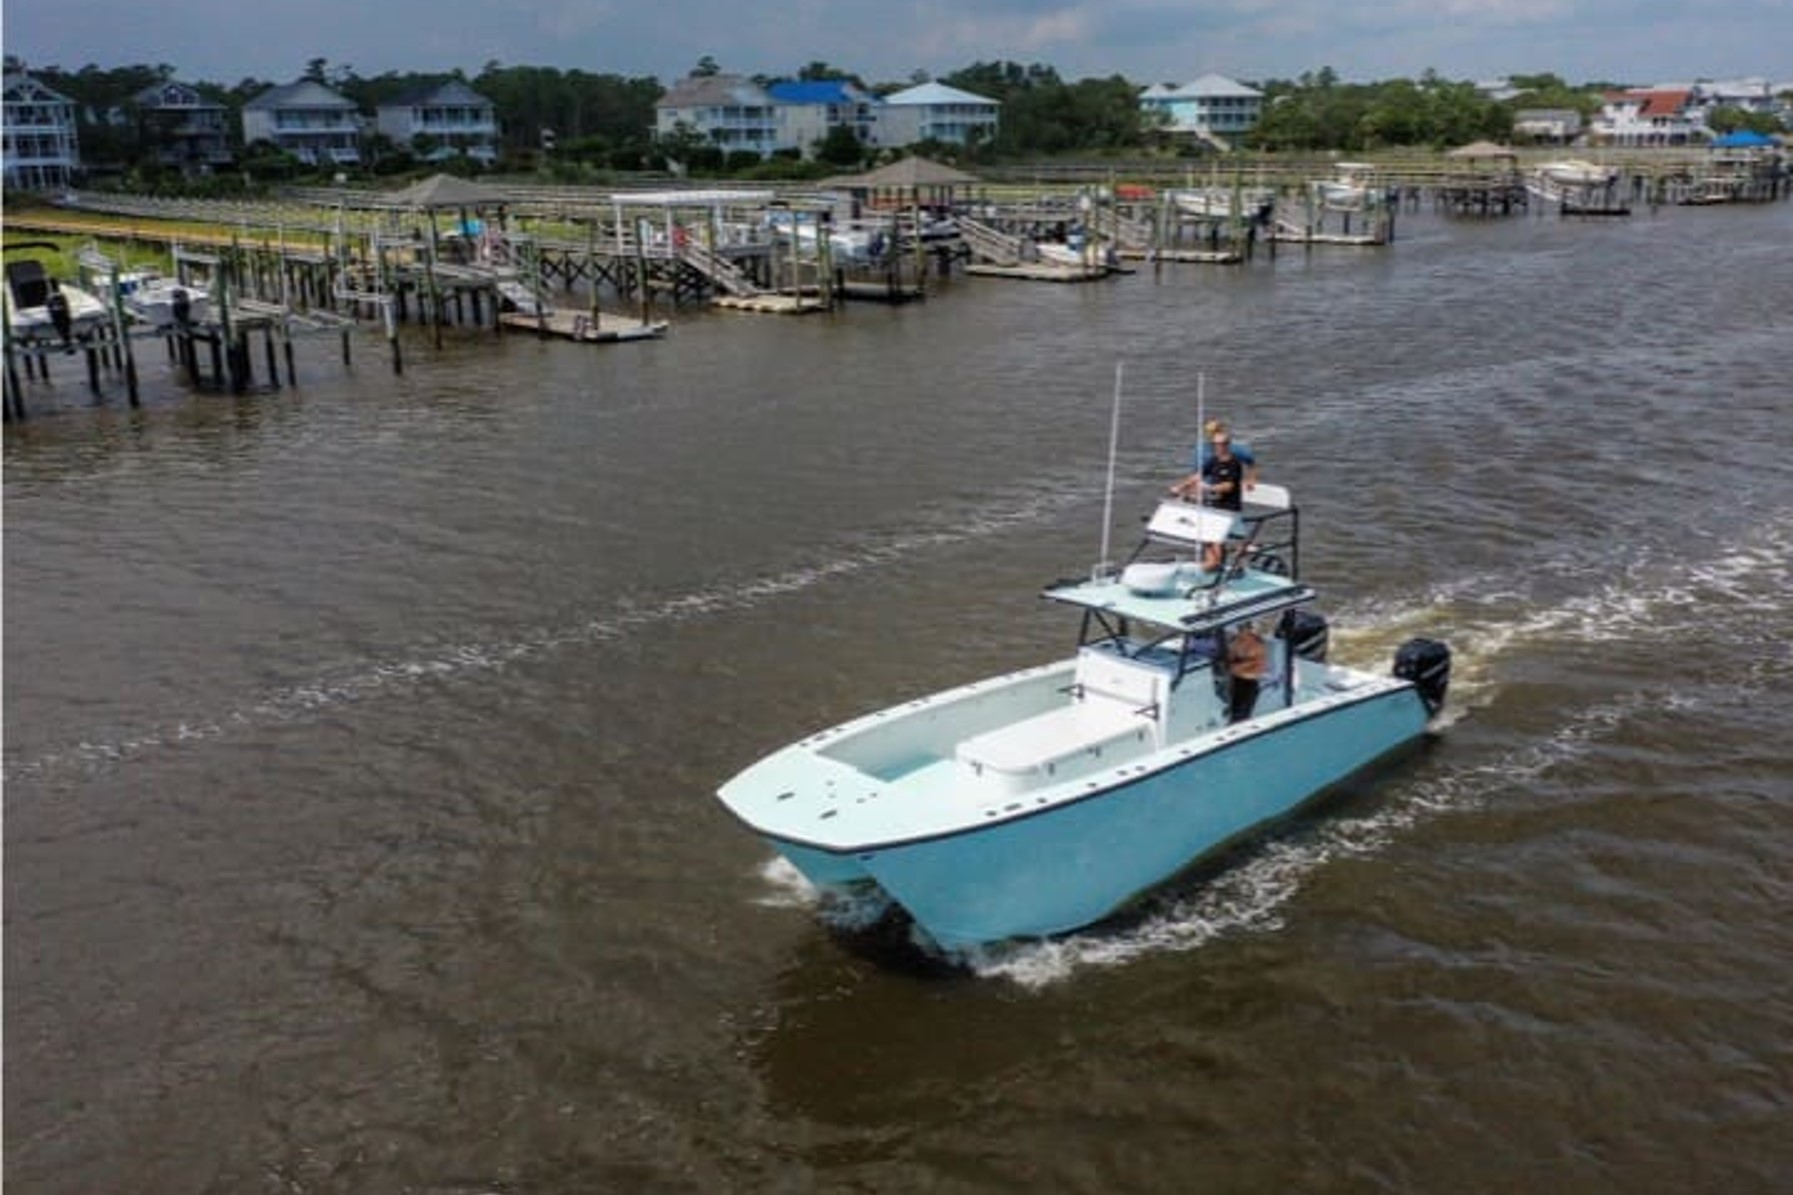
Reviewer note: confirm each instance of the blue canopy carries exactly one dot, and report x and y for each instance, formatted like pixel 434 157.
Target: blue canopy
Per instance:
pixel 1744 139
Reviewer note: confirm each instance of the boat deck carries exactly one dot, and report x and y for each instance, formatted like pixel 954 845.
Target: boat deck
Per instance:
pixel 838 792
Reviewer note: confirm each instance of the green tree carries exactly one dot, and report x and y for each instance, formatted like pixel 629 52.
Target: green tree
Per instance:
pixel 841 147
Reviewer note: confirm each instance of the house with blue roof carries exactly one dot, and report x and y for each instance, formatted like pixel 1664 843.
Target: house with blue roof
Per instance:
pixel 1213 108
pixel 808 111
pixel 734 113
pixel 936 112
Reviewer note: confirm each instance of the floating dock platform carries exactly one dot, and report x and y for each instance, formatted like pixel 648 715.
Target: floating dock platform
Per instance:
pixel 1043 272
pixel 769 303
pixel 584 327
pixel 1217 257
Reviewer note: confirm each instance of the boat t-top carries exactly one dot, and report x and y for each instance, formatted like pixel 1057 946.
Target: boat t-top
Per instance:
pixel 1044 800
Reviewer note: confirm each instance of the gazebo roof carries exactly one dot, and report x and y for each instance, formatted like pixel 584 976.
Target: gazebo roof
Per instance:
pixel 910 172
pixel 1482 149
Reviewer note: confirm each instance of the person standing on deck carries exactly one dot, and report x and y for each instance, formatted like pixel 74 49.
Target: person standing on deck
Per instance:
pixel 1246 662
pixel 1204 452
pixel 1220 483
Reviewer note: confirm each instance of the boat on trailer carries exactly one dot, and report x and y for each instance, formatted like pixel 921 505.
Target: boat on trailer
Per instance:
pixel 1045 800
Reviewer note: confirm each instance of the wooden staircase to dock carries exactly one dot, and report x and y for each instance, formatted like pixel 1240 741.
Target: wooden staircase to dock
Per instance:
pixel 991 245
pixel 727 277
pixel 1131 236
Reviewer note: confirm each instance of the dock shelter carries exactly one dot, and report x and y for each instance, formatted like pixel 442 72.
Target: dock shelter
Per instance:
pixel 911 182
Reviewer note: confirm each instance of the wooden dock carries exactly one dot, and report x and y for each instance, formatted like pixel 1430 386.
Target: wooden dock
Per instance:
pixel 1296 236
pixel 583 326
pixel 872 291
pixel 771 303
pixel 1042 271
pixel 1217 257
pixel 1593 207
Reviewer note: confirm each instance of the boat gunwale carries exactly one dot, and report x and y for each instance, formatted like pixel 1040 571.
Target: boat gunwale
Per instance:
pixel 1222 741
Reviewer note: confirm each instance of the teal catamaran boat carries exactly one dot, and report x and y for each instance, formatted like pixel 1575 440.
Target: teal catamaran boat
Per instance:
pixel 1045 800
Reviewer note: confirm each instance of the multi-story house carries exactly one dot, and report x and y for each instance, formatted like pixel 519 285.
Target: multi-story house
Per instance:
pixel 936 112
pixel 727 111
pixel 451 118
pixel 1648 116
pixel 315 124
pixel 184 129
pixel 1751 95
pixel 1213 107
pixel 807 112
pixel 42 150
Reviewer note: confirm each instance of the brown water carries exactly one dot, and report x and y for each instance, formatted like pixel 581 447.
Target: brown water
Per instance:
pixel 360 743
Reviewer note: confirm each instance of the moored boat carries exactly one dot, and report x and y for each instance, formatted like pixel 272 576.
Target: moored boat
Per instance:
pixel 1576 172
pixel 164 302
pixel 1218 203
pixel 1044 800
pixel 1353 189
pixel 41 307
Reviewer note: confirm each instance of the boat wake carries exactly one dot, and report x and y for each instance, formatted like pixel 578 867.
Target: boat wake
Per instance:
pixel 1250 897
pixel 1642 598
pixel 380 679
pixel 1652 598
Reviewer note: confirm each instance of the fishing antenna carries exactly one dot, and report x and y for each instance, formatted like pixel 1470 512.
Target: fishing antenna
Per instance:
pixel 1201 423
pixel 1114 435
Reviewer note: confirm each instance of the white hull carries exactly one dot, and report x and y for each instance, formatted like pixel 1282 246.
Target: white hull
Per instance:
pixel 85 313
pixel 155 303
pixel 1053 253
pixel 1576 173
pixel 1342 197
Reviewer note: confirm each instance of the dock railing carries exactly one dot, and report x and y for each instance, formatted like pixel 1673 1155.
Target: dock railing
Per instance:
pixel 998 248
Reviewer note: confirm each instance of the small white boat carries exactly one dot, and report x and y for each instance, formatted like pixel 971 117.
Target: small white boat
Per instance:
pixel 44 308
pixel 164 303
pixel 1058 253
pixel 1222 202
pixel 846 244
pixel 1047 799
pixel 1203 202
pixel 1353 189
pixel 1574 172
pixel 1572 182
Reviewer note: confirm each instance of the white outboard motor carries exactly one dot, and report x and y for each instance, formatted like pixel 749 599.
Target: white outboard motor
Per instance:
pixel 1426 663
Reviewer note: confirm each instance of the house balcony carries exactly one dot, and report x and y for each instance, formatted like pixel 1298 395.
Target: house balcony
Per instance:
pixel 454 128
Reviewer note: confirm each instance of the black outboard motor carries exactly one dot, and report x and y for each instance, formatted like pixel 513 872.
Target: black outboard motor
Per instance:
pixel 1307 634
pixel 61 318
pixel 180 305
pixel 1427 663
